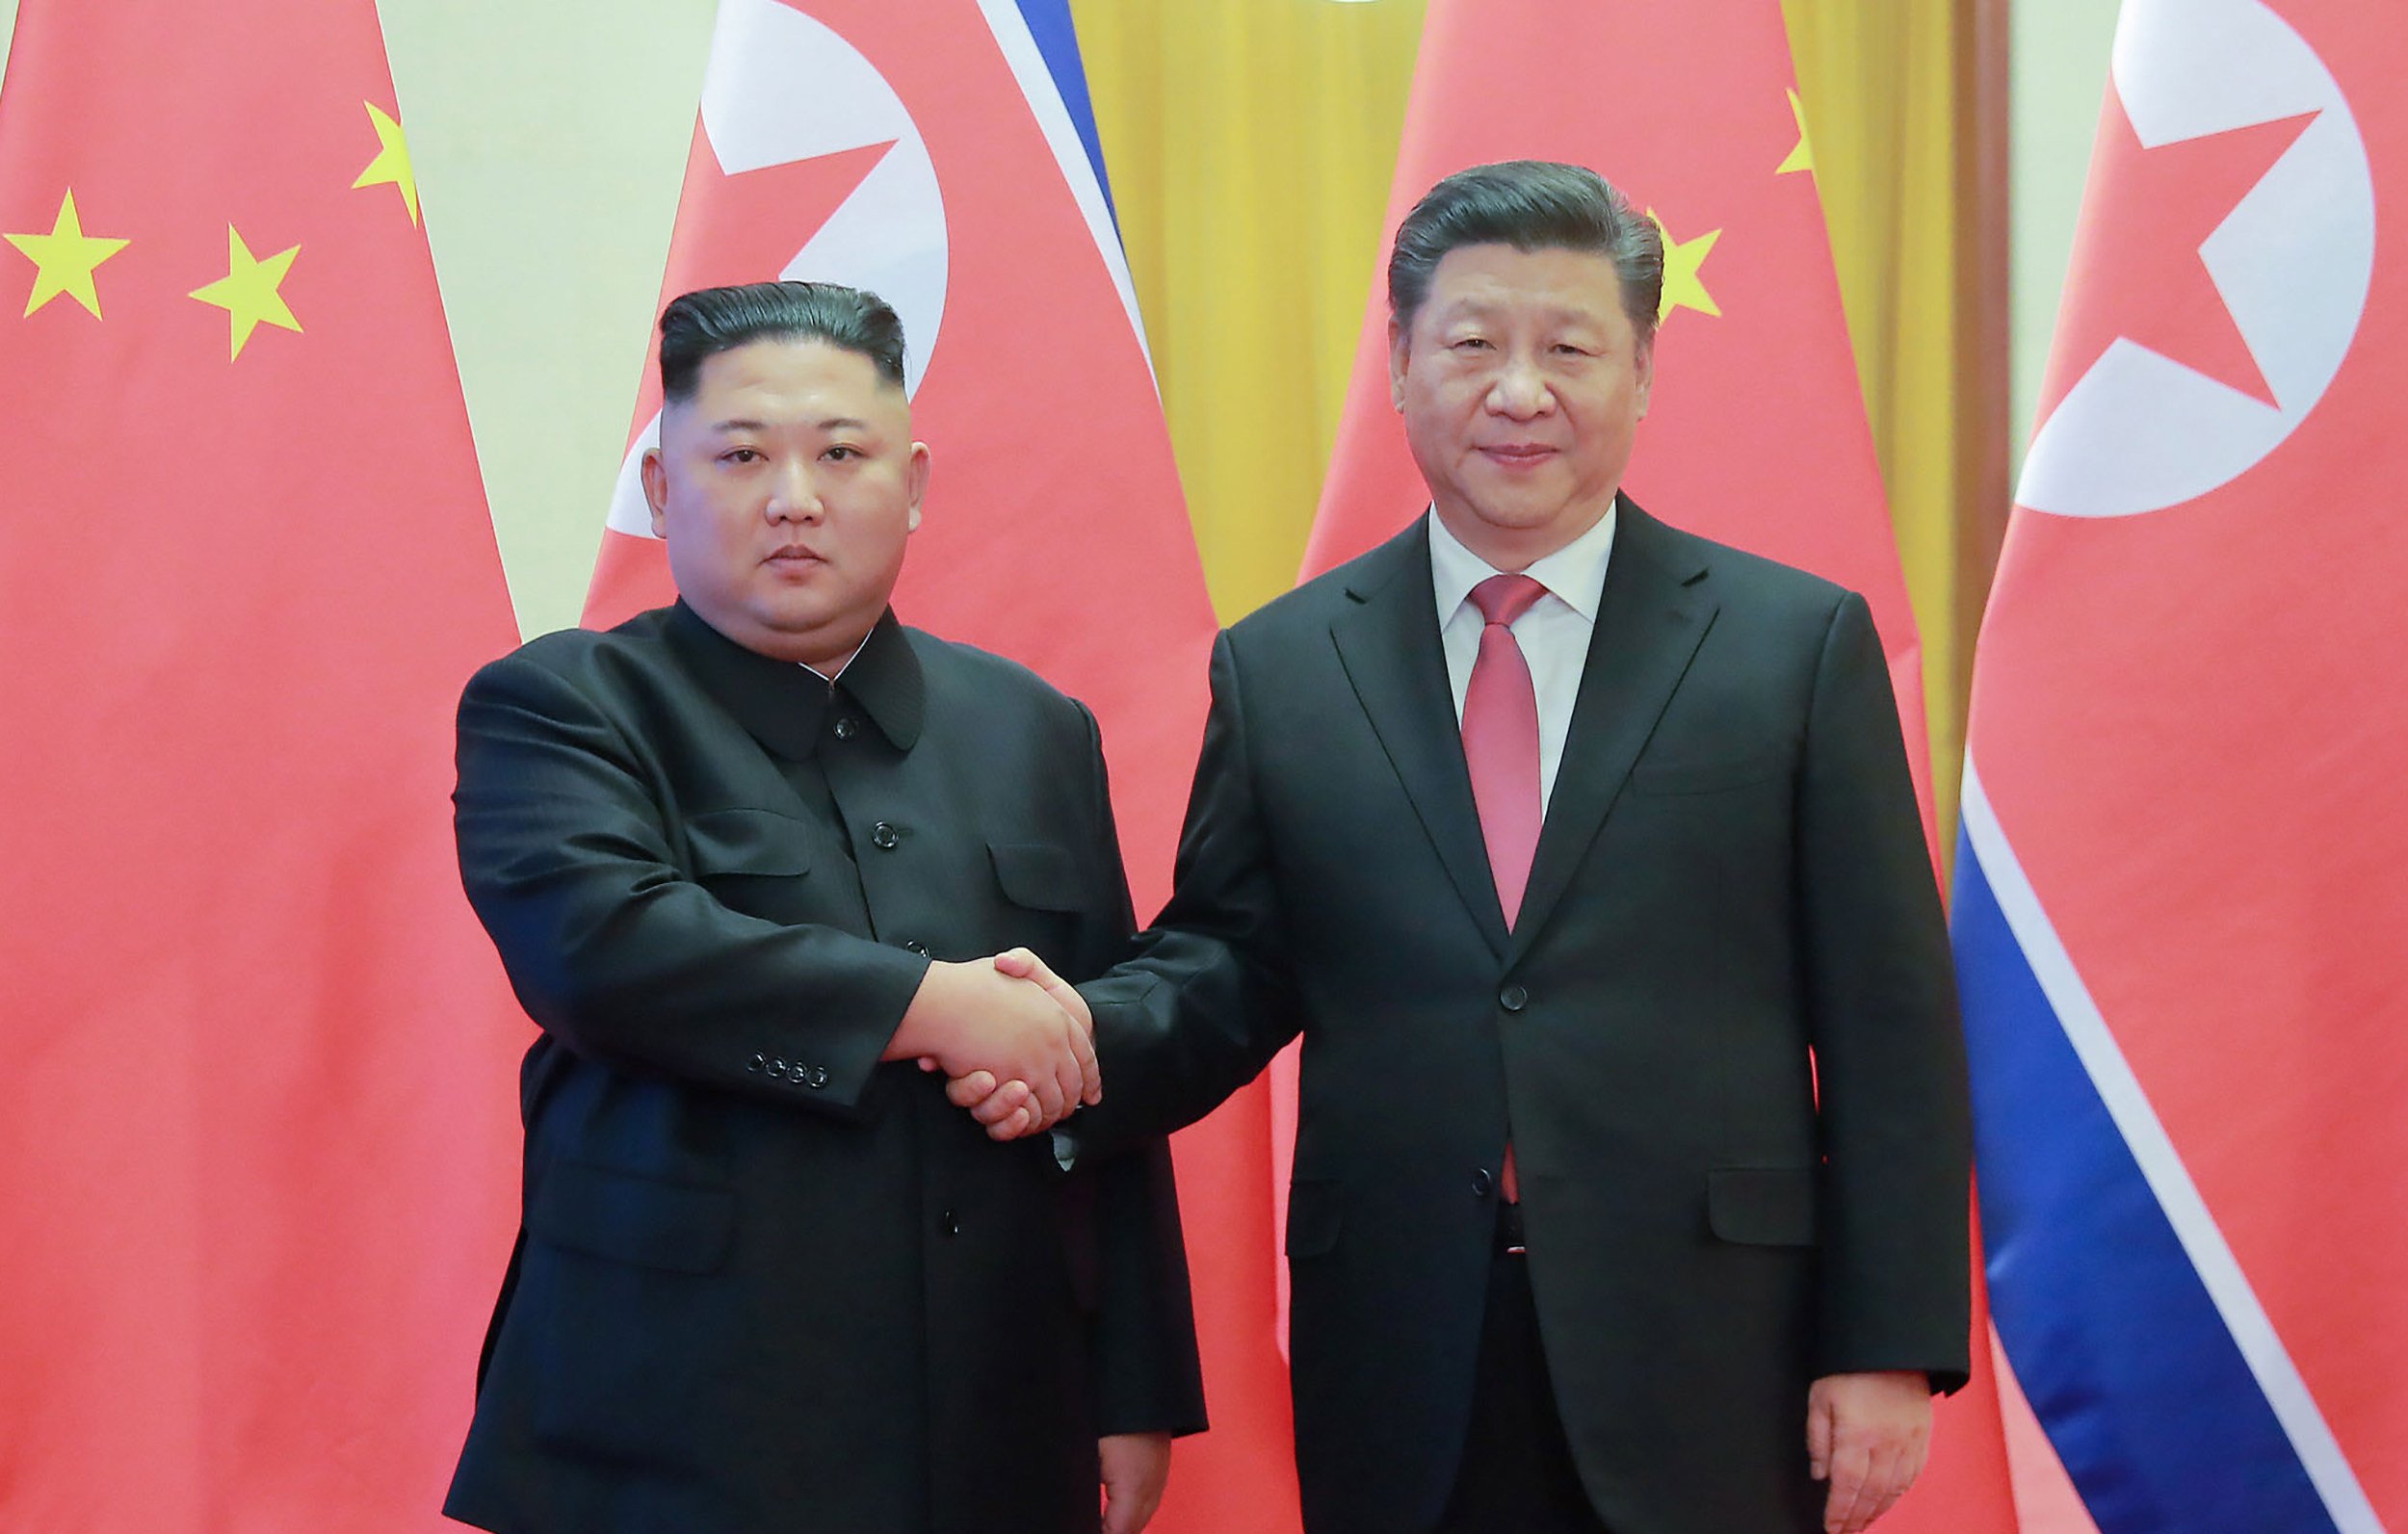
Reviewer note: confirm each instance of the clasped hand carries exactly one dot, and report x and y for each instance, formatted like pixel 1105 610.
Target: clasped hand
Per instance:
pixel 1016 1044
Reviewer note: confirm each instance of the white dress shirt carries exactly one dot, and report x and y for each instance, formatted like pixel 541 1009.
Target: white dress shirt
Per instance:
pixel 1554 632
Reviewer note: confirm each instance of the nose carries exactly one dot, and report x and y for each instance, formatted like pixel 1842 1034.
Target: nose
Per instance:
pixel 1520 390
pixel 793 494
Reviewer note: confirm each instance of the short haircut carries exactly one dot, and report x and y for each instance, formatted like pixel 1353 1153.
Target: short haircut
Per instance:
pixel 700 324
pixel 1530 205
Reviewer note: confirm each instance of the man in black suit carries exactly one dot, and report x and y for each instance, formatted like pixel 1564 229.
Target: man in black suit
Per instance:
pixel 1631 1166
pixel 734 854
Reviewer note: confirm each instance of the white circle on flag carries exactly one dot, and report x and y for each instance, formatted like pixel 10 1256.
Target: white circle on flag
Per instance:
pixel 2293 262
pixel 783 86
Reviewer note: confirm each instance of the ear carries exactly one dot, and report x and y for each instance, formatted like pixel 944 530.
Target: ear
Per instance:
pixel 1646 375
pixel 655 476
pixel 1399 344
pixel 916 480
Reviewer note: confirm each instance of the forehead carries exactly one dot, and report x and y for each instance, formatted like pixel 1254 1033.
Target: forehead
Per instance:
pixel 1480 281
pixel 781 380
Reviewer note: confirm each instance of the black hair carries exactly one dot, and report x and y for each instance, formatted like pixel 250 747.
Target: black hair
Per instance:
pixel 1530 205
pixel 700 324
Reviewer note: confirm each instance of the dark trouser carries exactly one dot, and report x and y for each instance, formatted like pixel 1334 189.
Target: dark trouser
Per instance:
pixel 1517 1475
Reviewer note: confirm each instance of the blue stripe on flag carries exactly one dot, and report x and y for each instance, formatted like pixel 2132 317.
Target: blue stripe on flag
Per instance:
pixel 1058 40
pixel 2115 1337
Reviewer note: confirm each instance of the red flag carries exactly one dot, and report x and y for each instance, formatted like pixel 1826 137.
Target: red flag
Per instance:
pixel 2180 892
pixel 258 1097
pixel 1756 433
pixel 934 155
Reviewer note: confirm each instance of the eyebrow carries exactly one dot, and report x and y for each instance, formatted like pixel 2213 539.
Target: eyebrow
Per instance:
pixel 834 422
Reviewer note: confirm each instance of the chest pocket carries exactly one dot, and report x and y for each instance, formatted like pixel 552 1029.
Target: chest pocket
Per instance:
pixel 752 861
pixel 1038 876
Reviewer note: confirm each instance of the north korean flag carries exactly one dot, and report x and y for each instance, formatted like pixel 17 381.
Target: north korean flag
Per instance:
pixel 2179 895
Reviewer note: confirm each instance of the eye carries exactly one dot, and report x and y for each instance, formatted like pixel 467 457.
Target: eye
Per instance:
pixel 1472 342
pixel 842 451
pixel 740 456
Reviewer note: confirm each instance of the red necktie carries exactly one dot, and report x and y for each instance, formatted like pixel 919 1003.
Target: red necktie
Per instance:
pixel 1500 747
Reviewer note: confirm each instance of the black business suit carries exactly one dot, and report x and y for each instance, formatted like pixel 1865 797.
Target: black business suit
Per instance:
pixel 1732 873
pixel 767 1283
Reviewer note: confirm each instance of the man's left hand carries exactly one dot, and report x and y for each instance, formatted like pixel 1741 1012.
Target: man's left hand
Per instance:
pixel 1136 1468
pixel 1869 1436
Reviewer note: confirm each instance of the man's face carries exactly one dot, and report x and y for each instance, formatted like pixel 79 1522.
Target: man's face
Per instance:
pixel 785 487
pixel 1522 383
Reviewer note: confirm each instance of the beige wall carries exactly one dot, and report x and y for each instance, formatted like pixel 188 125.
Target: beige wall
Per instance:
pixel 2058 70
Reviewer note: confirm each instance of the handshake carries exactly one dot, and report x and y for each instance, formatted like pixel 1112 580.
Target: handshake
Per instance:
pixel 1016 1044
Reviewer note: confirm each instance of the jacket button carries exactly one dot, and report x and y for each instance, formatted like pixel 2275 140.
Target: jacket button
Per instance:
pixel 1513 998
pixel 846 728
pixel 949 1224
pixel 1481 1182
pixel 915 946
pixel 883 837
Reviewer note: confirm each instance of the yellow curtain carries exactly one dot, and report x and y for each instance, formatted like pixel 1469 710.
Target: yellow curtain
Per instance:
pixel 1880 85
pixel 1250 144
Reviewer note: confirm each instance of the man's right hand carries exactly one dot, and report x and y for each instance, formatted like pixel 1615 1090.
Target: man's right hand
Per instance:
pixel 973 1020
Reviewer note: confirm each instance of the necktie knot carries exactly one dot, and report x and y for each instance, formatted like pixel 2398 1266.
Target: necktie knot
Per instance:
pixel 1503 598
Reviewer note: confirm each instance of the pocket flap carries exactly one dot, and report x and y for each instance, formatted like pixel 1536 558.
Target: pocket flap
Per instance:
pixel 1314 1213
pixel 682 1227
pixel 1038 876
pixel 1761 1206
pixel 749 841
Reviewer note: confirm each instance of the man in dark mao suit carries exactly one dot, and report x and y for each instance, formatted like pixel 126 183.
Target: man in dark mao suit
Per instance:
pixel 734 853
pixel 1631 1165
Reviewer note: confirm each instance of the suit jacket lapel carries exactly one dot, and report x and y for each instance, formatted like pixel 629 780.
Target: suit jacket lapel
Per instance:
pixel 1388 642
pixel 1654 613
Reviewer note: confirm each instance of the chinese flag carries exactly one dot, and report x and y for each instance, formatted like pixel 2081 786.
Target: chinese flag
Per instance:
pixel 257 1107
pixel 943 156
pixel 1756 435
pixel 2180 900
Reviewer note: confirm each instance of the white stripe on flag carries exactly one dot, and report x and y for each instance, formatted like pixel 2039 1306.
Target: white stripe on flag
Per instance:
pixel 1037 84
pixel 2236 1302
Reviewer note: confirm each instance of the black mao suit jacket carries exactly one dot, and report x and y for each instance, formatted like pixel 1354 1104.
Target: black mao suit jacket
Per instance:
pixel 1731 883
pixel 766 1282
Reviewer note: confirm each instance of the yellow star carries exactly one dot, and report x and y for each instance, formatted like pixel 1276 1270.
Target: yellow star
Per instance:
pixel 1683 285
pixel 247 292
pixel 391 166
pixel 1801 158
pixel 63 259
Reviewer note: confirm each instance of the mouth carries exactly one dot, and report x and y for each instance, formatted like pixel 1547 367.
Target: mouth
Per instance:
pixel 793 557
pixel 1517 455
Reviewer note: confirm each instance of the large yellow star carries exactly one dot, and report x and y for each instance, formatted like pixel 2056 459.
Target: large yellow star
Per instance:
pixel 63 259
pixel 391 166
pixel 247 292
pixel 1683 285
pixel 1801 158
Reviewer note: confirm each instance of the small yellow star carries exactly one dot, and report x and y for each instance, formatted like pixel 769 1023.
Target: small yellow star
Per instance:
pixel 1801 158
pixel 65 258
pixel 391 166
pixel 247 292
pixel 1683 287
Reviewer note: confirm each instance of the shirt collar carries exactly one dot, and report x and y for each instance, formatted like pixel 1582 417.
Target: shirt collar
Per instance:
pixel 784 706
pixel 1574 574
